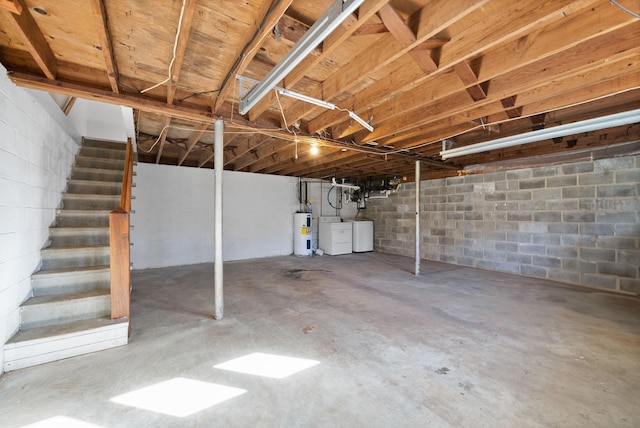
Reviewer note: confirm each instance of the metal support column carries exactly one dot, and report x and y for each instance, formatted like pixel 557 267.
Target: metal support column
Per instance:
pixel 218 165
pixel 417 269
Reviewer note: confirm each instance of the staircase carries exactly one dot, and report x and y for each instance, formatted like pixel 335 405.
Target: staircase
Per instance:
pixel 69 311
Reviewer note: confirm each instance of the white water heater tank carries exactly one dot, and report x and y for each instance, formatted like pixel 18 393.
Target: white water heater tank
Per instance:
pixel 302 234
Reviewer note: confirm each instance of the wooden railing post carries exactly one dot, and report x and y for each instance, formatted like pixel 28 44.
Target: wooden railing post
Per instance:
pixel 119 244
pixel 120 263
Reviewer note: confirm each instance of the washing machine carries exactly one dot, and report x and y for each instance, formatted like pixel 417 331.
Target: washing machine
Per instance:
pixel 362 235
pixel 335 236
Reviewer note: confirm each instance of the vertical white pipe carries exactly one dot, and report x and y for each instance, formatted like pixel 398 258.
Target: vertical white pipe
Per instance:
pixel 218 166
pixel 417 269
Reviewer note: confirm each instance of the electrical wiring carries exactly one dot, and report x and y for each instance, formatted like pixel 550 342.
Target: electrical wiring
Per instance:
pixel 329 199
pixel 175 50
pixel 629 11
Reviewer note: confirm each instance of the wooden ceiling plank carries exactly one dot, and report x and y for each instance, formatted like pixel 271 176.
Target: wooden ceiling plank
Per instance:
pixel 206 157
pixel 266 150
pixel 534 81
pixel 13 6
pixel 102 21
pixel 252 41
pixel 388 49
pixel 35 41
pixel 193 140
pixel 291 30
pixel 429 20
pixel 372 28
pixel 558 36
pixel 181 48
pixel 524 16
pixel 543 68
pixel 330 44
pixel 163 137
pixel 244 147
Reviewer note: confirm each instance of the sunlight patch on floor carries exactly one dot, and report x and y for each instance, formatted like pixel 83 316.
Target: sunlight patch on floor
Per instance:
pixel 61 422
pixel 179 396
pixel 267 365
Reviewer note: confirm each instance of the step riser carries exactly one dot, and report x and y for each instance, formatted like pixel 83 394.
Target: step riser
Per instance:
pixel 89 203
pixel 33 316
pixel 46 285
pixel 68 261
pixel 94 188
pixel 89 162
pixel 33 352
pixel 80 239
pixel 70 220
pixel 97 175
pixel 102 153
pixel 116 145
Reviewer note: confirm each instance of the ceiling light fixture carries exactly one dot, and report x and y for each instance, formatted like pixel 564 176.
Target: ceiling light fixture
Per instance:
pixel 306 98
pixel 314 149
pixel 361 121
pixel 603 122
pixel 244 81
pixel 329 21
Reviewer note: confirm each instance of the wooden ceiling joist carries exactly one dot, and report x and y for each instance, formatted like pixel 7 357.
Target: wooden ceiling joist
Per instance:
pixel 403 34
pixel 193 140
pixel 102 21
pixel 13 6
pixel 268 18
pixel 181 48
pixel 37 44
pixel 163 137
pixel 368 9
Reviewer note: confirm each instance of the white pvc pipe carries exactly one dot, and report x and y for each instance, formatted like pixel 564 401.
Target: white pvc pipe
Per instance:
pixel 417 268
pixel 603 122
pixel 218 166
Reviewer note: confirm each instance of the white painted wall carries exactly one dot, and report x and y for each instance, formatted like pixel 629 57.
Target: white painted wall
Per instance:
pixel 173 219
pixel 37 149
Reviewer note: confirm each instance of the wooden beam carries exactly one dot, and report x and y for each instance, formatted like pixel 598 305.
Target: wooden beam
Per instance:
pixel 509 104
pixel 183 40
pixel 12 6
pixel 559 35
pixel 193 140
pixel 163 137
pixel 35 41
pixel 330 44
pixel 102 20
pixel 262 27
pixel 547 48
pixel 401 31
pixel 470 79
pixel 140 102
pixel 69 105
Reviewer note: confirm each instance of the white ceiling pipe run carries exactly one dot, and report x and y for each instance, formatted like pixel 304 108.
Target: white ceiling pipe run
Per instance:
pixel 603 122
pixel 329 21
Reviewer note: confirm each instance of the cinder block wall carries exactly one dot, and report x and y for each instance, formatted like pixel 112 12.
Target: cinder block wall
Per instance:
pixel 576 223
pixel 36 155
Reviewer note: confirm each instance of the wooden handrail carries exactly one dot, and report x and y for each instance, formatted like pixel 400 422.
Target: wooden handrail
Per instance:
pixel 119 244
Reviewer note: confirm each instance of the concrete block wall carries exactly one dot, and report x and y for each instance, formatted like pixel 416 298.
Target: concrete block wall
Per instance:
pixel 36 155
pixel 577 223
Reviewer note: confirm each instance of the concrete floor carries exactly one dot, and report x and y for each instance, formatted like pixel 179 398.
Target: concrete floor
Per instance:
pixel 453 347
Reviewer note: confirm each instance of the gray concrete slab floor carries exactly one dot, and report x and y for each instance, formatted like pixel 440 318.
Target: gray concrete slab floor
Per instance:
pixel 453 347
